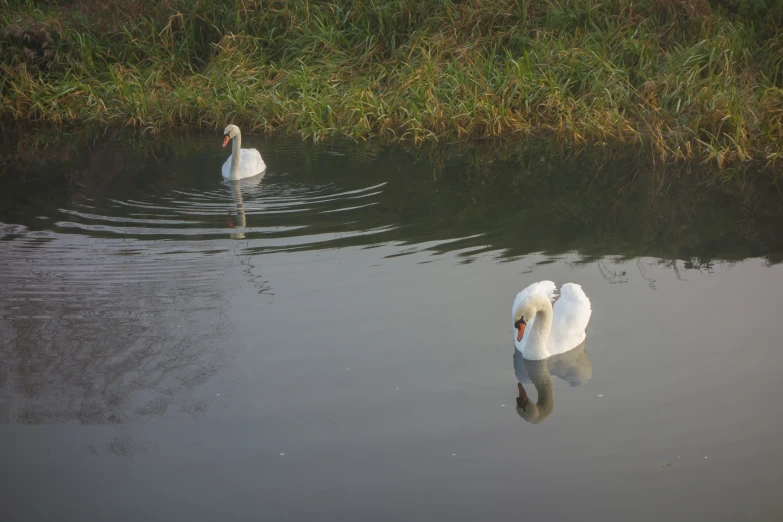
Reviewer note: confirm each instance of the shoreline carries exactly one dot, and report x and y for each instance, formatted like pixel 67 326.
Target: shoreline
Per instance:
pixel 29 143
pixel 698 87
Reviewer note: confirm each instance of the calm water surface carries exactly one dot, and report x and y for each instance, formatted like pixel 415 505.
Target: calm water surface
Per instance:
pixel 333 341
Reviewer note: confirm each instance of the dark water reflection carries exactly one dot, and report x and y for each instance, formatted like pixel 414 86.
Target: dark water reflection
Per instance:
pixel 512 201
pixel 331 339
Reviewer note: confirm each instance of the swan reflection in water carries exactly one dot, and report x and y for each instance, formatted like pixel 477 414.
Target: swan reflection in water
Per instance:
pixel 237 215
pixel 573 367
pixel 237 221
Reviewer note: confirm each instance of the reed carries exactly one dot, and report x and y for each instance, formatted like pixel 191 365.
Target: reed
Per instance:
pixel 682 81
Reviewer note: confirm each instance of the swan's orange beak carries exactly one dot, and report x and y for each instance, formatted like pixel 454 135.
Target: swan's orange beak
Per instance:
pixel 520 331
pixel 225 140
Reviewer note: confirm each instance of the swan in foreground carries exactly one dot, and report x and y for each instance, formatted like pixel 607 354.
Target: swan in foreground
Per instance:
pixel 541 330
pixel 573 367
pixel 243 163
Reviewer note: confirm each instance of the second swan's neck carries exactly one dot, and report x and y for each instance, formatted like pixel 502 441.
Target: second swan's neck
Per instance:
pixel 236 147
pixel 536 347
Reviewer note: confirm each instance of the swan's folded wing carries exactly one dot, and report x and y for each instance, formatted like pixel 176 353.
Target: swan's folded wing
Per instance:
pixel 252 163
pixel 571 314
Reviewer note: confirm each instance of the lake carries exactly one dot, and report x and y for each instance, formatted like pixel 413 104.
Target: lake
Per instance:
pixel 333 340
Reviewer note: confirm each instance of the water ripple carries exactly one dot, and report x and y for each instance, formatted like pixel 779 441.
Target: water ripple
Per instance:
pixel 280 210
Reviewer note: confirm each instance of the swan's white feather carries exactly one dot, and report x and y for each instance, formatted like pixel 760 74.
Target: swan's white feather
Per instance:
pixel 250 164
pixel 570 316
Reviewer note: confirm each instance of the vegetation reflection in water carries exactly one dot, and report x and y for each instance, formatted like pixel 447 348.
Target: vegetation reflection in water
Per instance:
pixel 484 197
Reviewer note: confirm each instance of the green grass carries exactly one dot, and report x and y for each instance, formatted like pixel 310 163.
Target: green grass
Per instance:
pixel 680 80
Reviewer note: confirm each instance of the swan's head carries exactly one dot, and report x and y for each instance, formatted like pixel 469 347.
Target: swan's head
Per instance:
pixel 524 313
pixel 230 133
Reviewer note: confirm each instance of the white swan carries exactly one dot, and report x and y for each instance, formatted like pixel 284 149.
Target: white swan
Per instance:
pixel 243 163
pixel 541 331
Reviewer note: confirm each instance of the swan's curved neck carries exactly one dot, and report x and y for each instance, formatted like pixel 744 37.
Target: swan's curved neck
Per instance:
pixel 236 147
pixel 536 347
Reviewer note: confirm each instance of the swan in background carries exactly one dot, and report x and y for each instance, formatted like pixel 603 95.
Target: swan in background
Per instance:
pixel 541 330
pixel 243 163
pixel 573 367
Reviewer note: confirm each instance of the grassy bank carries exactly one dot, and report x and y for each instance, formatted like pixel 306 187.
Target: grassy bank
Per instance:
pixel 682 80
